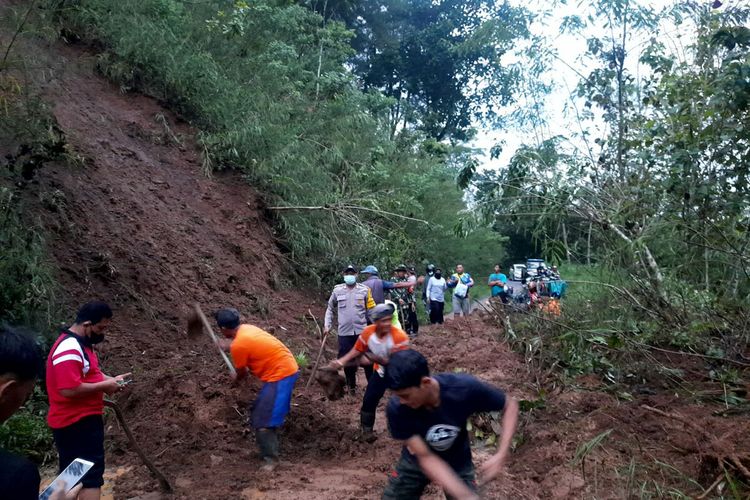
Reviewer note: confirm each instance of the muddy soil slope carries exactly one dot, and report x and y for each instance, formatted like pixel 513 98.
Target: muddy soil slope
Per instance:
pixel 139 224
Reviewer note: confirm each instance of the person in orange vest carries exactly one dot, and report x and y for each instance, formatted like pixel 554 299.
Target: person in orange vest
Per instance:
pixel 258 352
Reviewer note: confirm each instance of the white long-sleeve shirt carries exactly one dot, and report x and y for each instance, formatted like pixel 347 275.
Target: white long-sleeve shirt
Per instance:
pixel 436 289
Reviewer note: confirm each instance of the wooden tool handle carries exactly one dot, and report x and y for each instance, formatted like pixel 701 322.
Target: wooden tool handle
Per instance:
pixel 210 331
pixel 163 482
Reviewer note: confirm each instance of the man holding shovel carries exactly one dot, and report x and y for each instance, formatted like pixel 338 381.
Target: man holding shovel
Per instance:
pixel 376 342
pixel 76 387
pixel 258 352
pixel 351 300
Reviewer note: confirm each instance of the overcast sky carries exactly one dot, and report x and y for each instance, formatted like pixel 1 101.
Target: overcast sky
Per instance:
pixel 563 75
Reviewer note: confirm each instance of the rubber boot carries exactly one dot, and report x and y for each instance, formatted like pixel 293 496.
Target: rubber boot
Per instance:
pixel 367 421
pixel 268 444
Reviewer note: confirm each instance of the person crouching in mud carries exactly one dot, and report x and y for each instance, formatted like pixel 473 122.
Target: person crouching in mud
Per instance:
pixel 429 414
pixel 260 353
pixel 377 342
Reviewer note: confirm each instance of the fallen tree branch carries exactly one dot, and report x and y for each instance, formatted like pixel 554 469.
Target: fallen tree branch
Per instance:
pixel 708 491
pixel 738 464
pixel 695 354
pixel 339 208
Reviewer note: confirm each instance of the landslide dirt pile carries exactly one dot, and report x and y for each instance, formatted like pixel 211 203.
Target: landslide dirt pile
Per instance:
pixel 138 224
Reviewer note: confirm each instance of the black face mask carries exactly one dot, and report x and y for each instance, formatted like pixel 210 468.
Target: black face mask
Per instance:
pixel 438 275
pixel 96 338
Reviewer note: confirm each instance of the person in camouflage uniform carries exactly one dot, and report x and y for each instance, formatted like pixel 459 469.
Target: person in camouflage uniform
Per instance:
pixel 404 298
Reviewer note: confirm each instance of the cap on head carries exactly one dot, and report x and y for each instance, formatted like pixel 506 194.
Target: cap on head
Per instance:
pixel 370 270
pixel 406 369
pixel 228 318
pixel 400 268
pixel 381 311
pixel 350 269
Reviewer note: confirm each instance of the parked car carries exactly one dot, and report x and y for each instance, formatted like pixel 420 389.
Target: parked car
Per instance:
pixel 532 267
pixel 518 272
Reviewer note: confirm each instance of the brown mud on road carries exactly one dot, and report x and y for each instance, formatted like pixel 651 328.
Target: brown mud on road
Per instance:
pixel 139 225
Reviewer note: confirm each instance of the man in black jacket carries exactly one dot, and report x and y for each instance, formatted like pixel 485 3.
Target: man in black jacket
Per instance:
pixel 20 365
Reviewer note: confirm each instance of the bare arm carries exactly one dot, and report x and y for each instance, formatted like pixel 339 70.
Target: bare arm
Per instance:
pixel 494 465
pixel 438 471
pixel 240 374
pixel 349 356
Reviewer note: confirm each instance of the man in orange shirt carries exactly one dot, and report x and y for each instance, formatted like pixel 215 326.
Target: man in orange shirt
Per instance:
pixel 376 342
pixel 258 352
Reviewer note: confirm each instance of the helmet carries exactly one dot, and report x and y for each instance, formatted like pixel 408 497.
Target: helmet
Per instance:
pixel 401 267
pixel 370 270
pixel 430 268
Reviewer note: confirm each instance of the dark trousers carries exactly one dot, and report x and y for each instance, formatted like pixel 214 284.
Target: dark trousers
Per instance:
pixel 436 312
pixel 408 482
pixel 374 393
pixel 412 321
pixel 346 343
pixel 83 439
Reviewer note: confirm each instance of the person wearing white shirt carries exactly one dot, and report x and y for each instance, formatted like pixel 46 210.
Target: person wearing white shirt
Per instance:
pixel 436 287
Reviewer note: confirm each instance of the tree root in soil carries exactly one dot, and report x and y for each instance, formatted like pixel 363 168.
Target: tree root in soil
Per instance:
pixel 716 453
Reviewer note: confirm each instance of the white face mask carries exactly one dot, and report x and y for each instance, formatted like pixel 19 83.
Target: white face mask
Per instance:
pixel 350 279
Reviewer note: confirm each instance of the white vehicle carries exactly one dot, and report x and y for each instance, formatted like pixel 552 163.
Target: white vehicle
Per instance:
pixel 517 272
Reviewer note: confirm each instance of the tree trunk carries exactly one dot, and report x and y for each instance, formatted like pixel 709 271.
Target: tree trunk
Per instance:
pixel 588 246
pixel 565 242
pixel 320 54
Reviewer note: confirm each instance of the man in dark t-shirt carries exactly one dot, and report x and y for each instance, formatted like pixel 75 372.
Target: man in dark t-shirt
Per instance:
pixel 429 414
pixel 20 365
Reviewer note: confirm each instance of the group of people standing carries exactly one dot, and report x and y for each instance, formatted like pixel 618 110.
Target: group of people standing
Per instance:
pixel 428 413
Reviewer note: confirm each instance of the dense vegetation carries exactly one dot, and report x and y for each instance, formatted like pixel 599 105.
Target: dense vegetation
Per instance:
pixel 654 187
pixel 353 169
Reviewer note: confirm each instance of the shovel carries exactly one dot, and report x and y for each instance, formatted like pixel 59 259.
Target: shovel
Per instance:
pixel 197 324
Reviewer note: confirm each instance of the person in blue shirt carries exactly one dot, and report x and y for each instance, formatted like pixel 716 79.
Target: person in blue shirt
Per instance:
pixel 461 282
pixel 429 414
pixel 497 281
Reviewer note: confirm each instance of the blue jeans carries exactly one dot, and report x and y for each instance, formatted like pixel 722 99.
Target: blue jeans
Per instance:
pixel 272 405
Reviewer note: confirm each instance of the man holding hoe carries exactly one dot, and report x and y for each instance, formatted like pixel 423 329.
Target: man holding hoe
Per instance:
pixel 429 414
pixel 376 342
pixel 258 352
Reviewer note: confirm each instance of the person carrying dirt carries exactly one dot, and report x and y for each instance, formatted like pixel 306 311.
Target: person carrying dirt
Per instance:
pixel 497 282
pixel 258 352
pixel 461 282
pixel 76 387
pixel 435 288
pixel 351 300
pixel 429 414
pixel 377 342
pixel 377 286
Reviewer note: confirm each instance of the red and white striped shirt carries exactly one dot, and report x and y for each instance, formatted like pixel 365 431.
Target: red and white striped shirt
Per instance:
pixel 67 368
